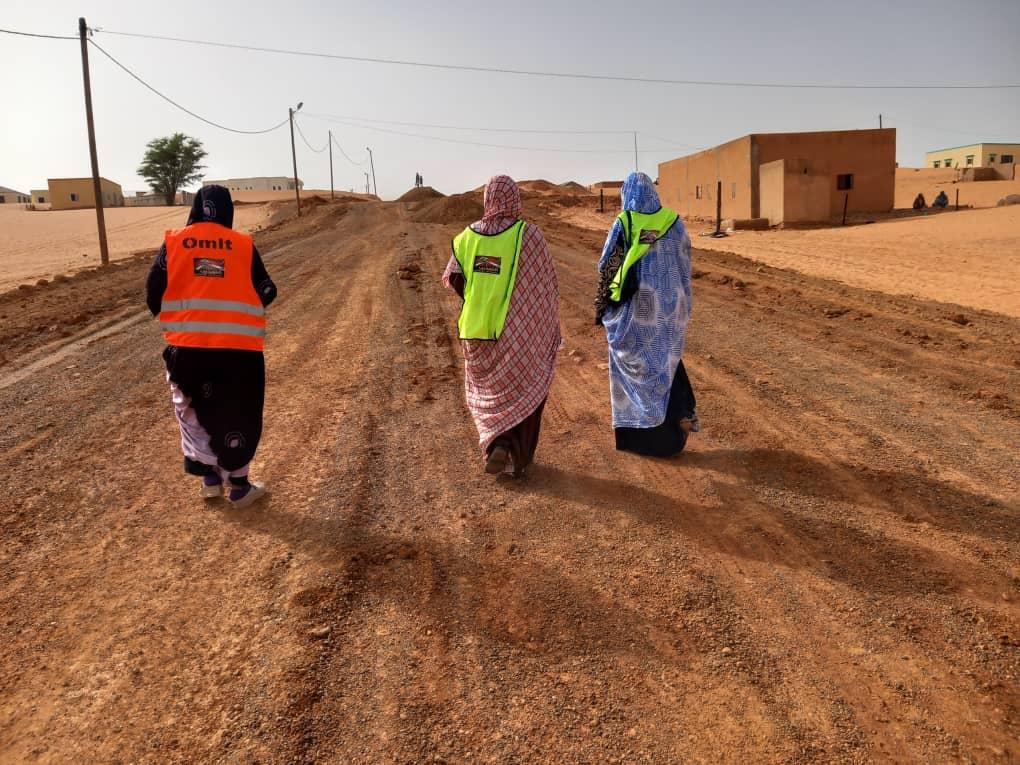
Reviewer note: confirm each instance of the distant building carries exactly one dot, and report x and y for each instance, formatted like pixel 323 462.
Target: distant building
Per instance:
pixel 12 197
pixel 262 183
pixel 149 199
pixel 40 196
pixel 77 193
pixel 607 185
pixel 1002 157
pixel 786 177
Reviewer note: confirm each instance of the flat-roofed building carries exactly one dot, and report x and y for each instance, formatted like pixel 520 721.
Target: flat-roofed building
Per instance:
pixel 1001 157
pixel 786 177
pixel 12 197
pixel 260 183
pixel 77 193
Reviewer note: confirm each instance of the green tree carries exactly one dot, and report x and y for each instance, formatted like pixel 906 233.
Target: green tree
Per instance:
pixel 171 163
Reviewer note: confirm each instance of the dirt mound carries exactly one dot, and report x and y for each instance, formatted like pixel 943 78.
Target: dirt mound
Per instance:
pixel 537 185
pixel 460 208
pixel 420 193
pixel 574 187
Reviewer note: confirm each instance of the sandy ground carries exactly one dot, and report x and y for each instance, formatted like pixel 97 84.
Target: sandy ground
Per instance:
pixel 828 575
pixel 968 257
pixel 929 181
pixel 40 244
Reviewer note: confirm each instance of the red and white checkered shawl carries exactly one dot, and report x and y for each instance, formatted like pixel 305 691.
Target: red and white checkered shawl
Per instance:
pixel 505 380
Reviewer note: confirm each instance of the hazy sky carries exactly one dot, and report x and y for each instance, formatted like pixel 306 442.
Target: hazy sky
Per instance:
pixel 43 134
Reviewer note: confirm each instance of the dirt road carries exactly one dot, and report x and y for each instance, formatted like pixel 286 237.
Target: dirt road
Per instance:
pixel 831 573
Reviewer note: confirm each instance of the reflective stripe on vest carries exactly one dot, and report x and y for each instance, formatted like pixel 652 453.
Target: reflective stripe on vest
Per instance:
pixel 641 231
pixel 489 265
pixel 210 301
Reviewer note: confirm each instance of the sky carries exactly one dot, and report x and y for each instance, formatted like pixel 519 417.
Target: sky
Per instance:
pixel 43 132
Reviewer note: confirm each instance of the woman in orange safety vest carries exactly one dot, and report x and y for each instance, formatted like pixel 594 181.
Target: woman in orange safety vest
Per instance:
pixel 209 288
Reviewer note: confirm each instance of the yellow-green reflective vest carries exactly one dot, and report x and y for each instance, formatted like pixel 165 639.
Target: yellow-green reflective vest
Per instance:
pixel 490 265
pixel 641 231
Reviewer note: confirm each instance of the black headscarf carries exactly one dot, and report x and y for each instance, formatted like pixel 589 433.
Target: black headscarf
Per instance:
pixel 212 205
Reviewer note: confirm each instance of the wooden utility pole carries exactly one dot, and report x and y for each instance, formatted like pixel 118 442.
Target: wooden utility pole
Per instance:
pixel 97 188
pixel 293 154
pixel 371 163
pixel 879 121
pixel 718 207
pixel 331 164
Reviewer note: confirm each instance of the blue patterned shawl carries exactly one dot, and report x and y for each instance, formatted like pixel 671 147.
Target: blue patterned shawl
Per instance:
pixel 646 334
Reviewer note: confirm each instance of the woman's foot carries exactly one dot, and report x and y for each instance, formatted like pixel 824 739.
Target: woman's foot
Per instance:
pixel 244 496
pixel 212 487
pixel 496 462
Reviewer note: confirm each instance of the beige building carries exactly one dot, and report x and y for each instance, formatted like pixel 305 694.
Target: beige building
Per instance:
pixel 12 197
pixel 149 199
pixel 40 196
pixel 786 177
pixel 1002 157
pixel 261 183
pixel 77 193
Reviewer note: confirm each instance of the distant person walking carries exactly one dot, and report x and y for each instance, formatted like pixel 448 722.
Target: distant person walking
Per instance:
pixel 644 302
pixel 509 326
pixel 210 288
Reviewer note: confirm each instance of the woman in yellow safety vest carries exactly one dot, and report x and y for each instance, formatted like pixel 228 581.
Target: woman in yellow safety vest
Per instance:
pixel 644 302
pixel 209 288
pixel 509 326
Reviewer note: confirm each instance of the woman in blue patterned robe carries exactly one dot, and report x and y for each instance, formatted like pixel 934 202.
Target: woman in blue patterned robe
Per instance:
pixel 653 402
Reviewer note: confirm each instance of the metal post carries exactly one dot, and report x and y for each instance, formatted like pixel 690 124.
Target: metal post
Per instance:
pixel 636 168
pixel 371 163
pixel 97 188
pixel 602 200
pixel 293 154
pixel 879 121
pixel 957 199
pixel 846 202
pixel 331 196
pixel 718 207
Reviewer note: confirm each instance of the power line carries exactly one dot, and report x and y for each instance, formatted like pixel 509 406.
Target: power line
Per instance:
pixel 561 75
pixel 346 156
pixel 33 34
pixel 179 106
pixel 301 133
pixel 471 129
pixel 463 142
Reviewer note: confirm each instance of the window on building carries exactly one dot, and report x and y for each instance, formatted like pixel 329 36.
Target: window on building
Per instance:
pixel 697 192
pixel 74 197
pixel 42 200
pixel 970 160
pixel 949 163
pixel 936 164
pixel 1006 159
pixel 845 182
pixel 2 199
pixel 991 158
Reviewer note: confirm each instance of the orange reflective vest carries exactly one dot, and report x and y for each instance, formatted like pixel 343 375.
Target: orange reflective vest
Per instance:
pixel 210 301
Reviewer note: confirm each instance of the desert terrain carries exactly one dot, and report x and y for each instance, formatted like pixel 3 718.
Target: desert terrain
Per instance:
pixel 829 574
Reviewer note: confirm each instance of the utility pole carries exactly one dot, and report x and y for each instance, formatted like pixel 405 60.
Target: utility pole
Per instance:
pixel 636 169
pixel 97 189
pixel 293 154
pixel 371 163
pixel 879 121
pixel 331 164
pixel 368 189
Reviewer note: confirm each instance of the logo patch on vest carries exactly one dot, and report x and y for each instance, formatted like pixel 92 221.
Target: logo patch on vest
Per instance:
pixel 648 236
pixel 486 264
pixel 209 267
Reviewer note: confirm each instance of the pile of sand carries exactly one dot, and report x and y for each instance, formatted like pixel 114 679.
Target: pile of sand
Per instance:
pixel 536 185
pixel 460 208
pixel 573 187
pixel 419 194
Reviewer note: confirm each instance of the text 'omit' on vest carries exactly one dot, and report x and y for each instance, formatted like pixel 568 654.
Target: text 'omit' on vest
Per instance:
pixel 489 265
pixel 641 231
pixel 210 301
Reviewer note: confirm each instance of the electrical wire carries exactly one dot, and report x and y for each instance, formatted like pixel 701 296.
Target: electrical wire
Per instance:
pixel 341 148
pixel 487 145
pixel 302 134
pixel 45 37
pixel 560 75
pixel 179 106
pixel 470 129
